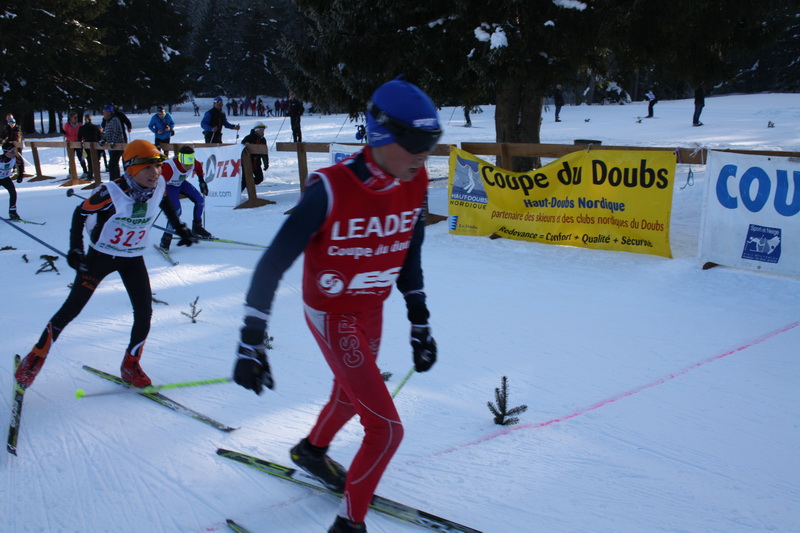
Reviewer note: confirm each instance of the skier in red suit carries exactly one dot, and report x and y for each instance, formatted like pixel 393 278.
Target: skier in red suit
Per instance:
pixel 361 225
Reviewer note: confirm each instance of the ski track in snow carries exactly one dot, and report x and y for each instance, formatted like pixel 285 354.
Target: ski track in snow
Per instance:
pixel 620 396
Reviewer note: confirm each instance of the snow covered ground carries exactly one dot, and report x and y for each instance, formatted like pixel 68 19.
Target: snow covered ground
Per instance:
pixel 661 397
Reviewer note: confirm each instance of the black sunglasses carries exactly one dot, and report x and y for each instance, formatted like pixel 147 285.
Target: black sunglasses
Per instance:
pixel 411 139
pixel 154 160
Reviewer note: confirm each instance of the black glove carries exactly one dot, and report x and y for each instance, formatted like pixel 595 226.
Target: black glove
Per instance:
pixel 252 369
pixel 266 166
pixel 19 178
pixel 187 237
pixel 424 347
pixel 101 142
pixel 75 259
pixel 203 187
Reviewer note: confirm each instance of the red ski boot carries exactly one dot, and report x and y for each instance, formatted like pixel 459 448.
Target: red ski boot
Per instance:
pixel 30 366
pixel 132 373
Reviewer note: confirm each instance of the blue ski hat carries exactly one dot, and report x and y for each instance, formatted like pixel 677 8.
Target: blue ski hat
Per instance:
pixel 108 108
pixel 401 112
pixel 217 99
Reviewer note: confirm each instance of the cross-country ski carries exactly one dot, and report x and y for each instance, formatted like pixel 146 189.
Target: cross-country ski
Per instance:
pixel 383 505
pixel 163 400
pixel 16 413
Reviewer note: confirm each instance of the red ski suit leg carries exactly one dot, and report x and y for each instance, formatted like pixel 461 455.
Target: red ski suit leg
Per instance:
pixel 350 345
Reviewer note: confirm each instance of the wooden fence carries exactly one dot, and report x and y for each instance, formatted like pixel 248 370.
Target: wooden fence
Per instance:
pixel 502 150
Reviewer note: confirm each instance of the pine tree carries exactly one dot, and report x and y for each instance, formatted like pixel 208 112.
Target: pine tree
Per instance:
pixel 504 416
pixel 511 52
pixel 52 52
pixel 147 67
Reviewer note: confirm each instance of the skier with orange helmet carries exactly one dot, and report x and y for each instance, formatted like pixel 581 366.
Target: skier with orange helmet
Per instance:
pixel 118 218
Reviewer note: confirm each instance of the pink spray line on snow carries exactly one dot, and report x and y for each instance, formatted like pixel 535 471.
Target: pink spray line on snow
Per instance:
pixel 620 396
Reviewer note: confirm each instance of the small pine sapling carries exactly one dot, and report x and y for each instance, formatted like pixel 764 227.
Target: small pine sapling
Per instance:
pixel 195 311
pixel 503 416
pixel 48 265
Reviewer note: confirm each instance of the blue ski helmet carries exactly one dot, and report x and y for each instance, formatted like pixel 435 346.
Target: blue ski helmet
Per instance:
pixel 401 112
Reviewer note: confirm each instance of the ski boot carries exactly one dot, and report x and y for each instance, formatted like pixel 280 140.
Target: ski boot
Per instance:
pixel 12 214
pixel 199 231
pixel 343 525
pixel 32 363
pixel 166 240
pixel 132 373
pixel 316 462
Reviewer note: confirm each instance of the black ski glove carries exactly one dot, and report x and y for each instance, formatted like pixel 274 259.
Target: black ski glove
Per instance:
pixel 75 259
pixel 20 176
pixel 424 347
pixel 203 187
pixel 187 237
pixel 101 142
pixel 252 369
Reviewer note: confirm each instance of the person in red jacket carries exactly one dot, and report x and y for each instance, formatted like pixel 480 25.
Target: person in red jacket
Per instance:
pixel 360 224
pixel 71 129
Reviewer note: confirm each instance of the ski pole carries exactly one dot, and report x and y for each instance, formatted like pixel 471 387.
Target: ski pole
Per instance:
pixel 80 393
pixel 71 192
pixel 340 129
pixel 215 239
pixel 40 241
pixel 279 131
pixel 403 382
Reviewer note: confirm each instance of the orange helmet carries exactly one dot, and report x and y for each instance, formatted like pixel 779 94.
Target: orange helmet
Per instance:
pixel 140 154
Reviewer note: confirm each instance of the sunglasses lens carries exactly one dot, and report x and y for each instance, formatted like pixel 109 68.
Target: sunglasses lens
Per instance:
pixel 413 140
pixel 416 141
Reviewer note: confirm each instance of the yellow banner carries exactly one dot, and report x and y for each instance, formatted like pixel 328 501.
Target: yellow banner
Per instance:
pixel 603 199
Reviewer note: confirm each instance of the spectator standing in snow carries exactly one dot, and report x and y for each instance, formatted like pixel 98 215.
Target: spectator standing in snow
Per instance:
pixel 256 136
pixel 651 98
pixel 385 180
pixel 295 111
pixel 9 161
pixel 113 134
pixel 123 119
pixel 13 133
pixel 72 134
pixel 90 133
pixel 163 126
pixel 213 122
pixel 558 101
pixel 699 104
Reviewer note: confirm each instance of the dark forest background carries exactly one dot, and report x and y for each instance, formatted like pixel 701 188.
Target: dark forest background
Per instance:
pixel 60 55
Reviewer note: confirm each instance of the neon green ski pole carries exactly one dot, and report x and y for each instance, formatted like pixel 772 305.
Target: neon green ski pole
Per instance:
pixel 403 382
pixel 80 393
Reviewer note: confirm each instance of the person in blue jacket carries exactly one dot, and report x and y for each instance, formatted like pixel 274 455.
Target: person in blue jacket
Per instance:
pixel 163 126
pixel 213 122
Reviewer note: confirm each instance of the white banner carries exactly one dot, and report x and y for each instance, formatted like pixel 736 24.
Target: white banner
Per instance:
pixel 223 172
pixel 751 218
pixel 342 151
